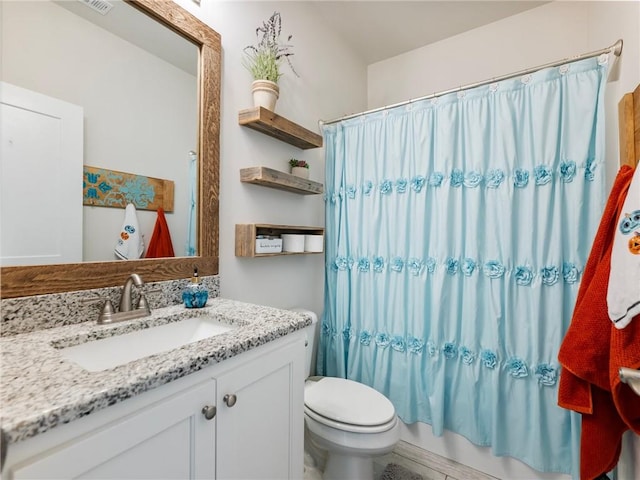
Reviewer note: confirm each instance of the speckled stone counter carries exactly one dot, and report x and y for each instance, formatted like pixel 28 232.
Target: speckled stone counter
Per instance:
pixel 40 389
pixel 28 314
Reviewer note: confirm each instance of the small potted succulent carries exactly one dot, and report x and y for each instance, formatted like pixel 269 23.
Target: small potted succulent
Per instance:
pixel 264 59
pixel 299 168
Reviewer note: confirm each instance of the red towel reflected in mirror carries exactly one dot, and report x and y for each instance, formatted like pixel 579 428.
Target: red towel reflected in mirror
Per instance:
pixel 160 244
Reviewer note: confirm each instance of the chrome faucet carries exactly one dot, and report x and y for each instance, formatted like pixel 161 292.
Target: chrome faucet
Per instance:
pixel 125 310
pixel 126 304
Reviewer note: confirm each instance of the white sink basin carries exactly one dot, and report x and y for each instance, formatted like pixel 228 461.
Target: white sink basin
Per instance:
pixel 98 355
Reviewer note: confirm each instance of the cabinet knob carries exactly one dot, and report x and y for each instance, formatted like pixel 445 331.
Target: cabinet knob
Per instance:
pixel 230 399
pixel 209 411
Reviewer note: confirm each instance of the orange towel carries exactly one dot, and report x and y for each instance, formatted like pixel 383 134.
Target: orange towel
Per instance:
pixel 593 350
pixel 160 244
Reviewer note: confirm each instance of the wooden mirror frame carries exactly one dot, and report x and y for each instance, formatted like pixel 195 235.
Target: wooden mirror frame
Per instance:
pixel 24 281
pixel 629 128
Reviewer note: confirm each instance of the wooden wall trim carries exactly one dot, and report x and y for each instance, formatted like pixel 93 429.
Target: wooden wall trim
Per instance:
pixel 629 128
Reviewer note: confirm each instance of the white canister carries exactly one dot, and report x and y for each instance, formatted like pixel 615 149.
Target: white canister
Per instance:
pixel 292 242
pixel 314 243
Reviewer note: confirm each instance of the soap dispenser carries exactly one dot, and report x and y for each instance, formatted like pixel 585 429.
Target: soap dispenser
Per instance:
pixel 195 295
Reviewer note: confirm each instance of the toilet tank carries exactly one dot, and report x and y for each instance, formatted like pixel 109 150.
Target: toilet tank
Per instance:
pixel 311 344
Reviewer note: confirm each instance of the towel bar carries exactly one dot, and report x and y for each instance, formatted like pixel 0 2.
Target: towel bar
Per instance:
pixel 631 377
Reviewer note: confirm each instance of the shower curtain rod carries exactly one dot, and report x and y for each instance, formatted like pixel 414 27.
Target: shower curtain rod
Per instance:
pixel 616 49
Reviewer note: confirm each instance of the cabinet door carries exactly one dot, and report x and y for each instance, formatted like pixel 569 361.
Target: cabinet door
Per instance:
pixel 170 439
pixel 261 435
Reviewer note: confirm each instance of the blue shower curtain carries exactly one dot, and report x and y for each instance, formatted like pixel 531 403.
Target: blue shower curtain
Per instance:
pixel 456 232
pixel 190 245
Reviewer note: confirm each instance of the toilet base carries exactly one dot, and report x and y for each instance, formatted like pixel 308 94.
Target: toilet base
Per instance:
pixel 348 456
pixel 348 467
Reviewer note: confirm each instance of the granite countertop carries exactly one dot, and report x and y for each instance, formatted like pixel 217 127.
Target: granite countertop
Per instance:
pixel 40 389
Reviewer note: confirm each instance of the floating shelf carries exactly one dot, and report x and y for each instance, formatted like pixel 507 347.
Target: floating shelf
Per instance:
pixel 268 177
pixel 246 234
pixel 272 124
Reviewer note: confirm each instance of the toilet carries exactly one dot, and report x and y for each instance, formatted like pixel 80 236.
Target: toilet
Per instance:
pixel 348 421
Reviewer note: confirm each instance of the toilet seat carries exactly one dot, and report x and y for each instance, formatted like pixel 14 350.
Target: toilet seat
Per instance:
pixel 347 427
pixel 349 406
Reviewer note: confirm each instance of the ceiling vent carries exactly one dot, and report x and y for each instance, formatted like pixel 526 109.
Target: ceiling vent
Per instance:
pixel 100 6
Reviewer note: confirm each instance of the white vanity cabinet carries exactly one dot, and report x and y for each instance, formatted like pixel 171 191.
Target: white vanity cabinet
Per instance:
pixel 154 443
pixel 261 419
pixel 164 433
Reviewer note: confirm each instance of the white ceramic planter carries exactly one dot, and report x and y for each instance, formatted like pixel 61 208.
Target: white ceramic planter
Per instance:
pixel 301 172
pixel 265 94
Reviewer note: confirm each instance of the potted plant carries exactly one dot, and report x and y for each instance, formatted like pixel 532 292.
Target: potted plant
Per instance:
pixel 264 60
pixel 299 168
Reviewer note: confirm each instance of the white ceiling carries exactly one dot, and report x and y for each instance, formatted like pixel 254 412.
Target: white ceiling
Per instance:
pixel 378 30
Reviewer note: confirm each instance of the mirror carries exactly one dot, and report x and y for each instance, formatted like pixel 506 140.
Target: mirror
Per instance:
pixel 33 280
pixel 121 90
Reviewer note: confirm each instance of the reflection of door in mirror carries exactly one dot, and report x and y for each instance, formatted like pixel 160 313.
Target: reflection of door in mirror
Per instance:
pixel 140 109
pixel 41 162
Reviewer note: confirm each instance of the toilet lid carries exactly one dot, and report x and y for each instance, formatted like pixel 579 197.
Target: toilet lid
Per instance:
pixel 349 402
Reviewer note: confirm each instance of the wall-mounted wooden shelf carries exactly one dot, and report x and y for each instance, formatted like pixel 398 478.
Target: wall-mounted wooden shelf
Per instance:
pixel 246 234
pixel 272 124
pixel 268 177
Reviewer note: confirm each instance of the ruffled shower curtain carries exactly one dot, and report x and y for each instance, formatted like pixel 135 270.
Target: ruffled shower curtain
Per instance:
pixel 456 232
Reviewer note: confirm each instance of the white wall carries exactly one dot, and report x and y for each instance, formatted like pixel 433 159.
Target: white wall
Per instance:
pixel 606 22
pixel 545 34
pixel 47 49
pixel 332 80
